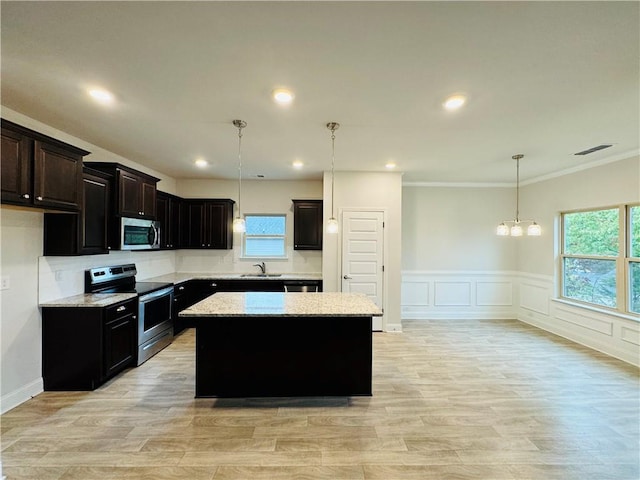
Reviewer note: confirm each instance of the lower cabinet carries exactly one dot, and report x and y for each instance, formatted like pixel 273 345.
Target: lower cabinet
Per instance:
pixel 82 347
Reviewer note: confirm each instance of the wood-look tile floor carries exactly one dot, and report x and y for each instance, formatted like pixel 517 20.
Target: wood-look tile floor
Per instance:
pixel 452 400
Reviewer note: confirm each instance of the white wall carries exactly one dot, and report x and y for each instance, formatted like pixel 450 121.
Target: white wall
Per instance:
pixel 454 266
pixel 607 185
pixel 367 190
pixel 258 196
pixel 20 324
pixel 34 278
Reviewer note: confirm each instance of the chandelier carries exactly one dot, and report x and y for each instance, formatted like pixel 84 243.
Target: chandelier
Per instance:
pixel 514 227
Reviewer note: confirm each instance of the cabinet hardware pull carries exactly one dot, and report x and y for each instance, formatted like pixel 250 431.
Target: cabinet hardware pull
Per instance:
pixel 180 288
pixel 121 308
pixel 39 199
pixel 26 195
pixel 214 284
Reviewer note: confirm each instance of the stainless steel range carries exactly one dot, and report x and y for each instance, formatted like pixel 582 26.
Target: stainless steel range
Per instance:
pixel 155 324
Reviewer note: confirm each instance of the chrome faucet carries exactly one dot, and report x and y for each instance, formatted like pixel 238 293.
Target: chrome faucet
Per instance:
pixel 262 266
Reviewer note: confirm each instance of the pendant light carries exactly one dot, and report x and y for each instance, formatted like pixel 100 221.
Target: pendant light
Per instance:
pixel 239 225
pixel 514 227
pixel 332 223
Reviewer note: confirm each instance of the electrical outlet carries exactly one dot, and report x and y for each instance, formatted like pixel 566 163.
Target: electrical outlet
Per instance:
pixel 4 283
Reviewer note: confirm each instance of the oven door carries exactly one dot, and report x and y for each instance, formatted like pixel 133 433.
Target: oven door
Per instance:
pixel 139 234
pixel 154 314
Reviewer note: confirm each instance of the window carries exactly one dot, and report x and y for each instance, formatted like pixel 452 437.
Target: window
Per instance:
pixel 633 262
pixel 265 236
pixel 600 258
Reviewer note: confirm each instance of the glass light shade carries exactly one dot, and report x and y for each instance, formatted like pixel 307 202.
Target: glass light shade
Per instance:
pixel 332 225
pixel 238 225
pixel 534 230
pixel 516 231
pixel 502 230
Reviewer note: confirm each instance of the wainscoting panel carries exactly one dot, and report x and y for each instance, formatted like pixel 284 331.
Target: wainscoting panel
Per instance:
pixel 494 294
pixel 535 297
pixel 452 294
pixel 458 295
pixel 630 334
pixel 585 320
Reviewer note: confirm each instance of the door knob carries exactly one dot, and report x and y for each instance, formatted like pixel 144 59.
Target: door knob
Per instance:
pixel 347 277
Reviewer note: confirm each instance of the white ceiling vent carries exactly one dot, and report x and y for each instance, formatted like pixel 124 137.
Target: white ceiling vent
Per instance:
pixel 594 149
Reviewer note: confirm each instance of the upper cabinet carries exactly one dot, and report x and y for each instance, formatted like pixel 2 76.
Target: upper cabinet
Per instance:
pixel 307 224
pixel 83 233
pixel 133 192
pixel 170 214
pixel 209 223
pixel 39 171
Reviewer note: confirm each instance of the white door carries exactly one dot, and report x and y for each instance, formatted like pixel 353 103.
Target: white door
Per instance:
pixel 362 256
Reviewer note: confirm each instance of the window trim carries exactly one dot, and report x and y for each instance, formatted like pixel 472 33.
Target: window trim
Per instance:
pixel 284 237
pixel 623 262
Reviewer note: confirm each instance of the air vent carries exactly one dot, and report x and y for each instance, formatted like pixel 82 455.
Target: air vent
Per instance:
pixel 594 149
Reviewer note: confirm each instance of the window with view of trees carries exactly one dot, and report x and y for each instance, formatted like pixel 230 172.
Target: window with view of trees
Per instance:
pixel 600 258
pixel 265 236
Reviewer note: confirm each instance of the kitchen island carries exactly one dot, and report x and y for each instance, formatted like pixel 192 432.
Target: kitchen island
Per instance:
pixel 271 344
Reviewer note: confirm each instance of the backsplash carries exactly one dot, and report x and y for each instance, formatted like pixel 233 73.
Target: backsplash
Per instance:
pixel 60 277
pixel 230 261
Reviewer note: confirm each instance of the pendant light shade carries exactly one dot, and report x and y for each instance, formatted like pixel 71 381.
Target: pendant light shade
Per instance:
pixel 239 225
pixel 514 227
pixel 332 223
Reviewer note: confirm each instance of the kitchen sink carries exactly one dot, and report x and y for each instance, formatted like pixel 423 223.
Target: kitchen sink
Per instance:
pixel 261 275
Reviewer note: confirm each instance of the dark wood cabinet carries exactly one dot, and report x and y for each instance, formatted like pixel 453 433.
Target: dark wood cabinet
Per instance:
pixel 133 193
pixel 83 233
pixel 209 224
pixel 120 335
pixel 307 224
pixel 169 213
pixel 180 302
pixel 82 347
pixel 39 171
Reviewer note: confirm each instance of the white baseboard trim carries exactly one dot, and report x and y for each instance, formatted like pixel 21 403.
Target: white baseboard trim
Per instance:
pixel 394 327
pixel 21 395
pixel 458 315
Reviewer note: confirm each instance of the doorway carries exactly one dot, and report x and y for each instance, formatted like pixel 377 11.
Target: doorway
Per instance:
pixel 363 256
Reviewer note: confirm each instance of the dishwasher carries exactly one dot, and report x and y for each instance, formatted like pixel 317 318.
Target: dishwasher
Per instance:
pixel 302 286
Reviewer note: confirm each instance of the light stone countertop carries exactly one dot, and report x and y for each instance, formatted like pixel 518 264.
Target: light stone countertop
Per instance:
pixel 181 277
pixel 90 300
pixel 257 304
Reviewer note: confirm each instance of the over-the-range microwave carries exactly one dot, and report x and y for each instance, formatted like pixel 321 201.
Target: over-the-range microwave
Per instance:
pixel 139 234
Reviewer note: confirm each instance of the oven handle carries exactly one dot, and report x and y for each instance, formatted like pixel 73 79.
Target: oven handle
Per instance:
pixel 158 293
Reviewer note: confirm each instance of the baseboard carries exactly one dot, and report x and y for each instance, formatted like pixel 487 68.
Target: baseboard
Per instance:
pixel 458 315
pixel 21 395
pixel 394 327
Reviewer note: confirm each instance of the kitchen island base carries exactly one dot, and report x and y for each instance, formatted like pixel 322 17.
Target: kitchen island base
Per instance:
pixel 283 356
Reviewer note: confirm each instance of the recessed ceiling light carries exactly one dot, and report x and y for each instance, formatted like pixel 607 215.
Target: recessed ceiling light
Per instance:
pixel 454 102
pixel 282 96
pixel 101 95
pixel 201 163
pixel 390 165
pixel 298 164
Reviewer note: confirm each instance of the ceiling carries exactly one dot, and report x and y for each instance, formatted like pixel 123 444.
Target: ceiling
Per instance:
pixel 545 79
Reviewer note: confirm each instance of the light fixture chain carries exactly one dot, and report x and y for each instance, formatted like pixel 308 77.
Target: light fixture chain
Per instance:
pixel 333 161
pixel 517 157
